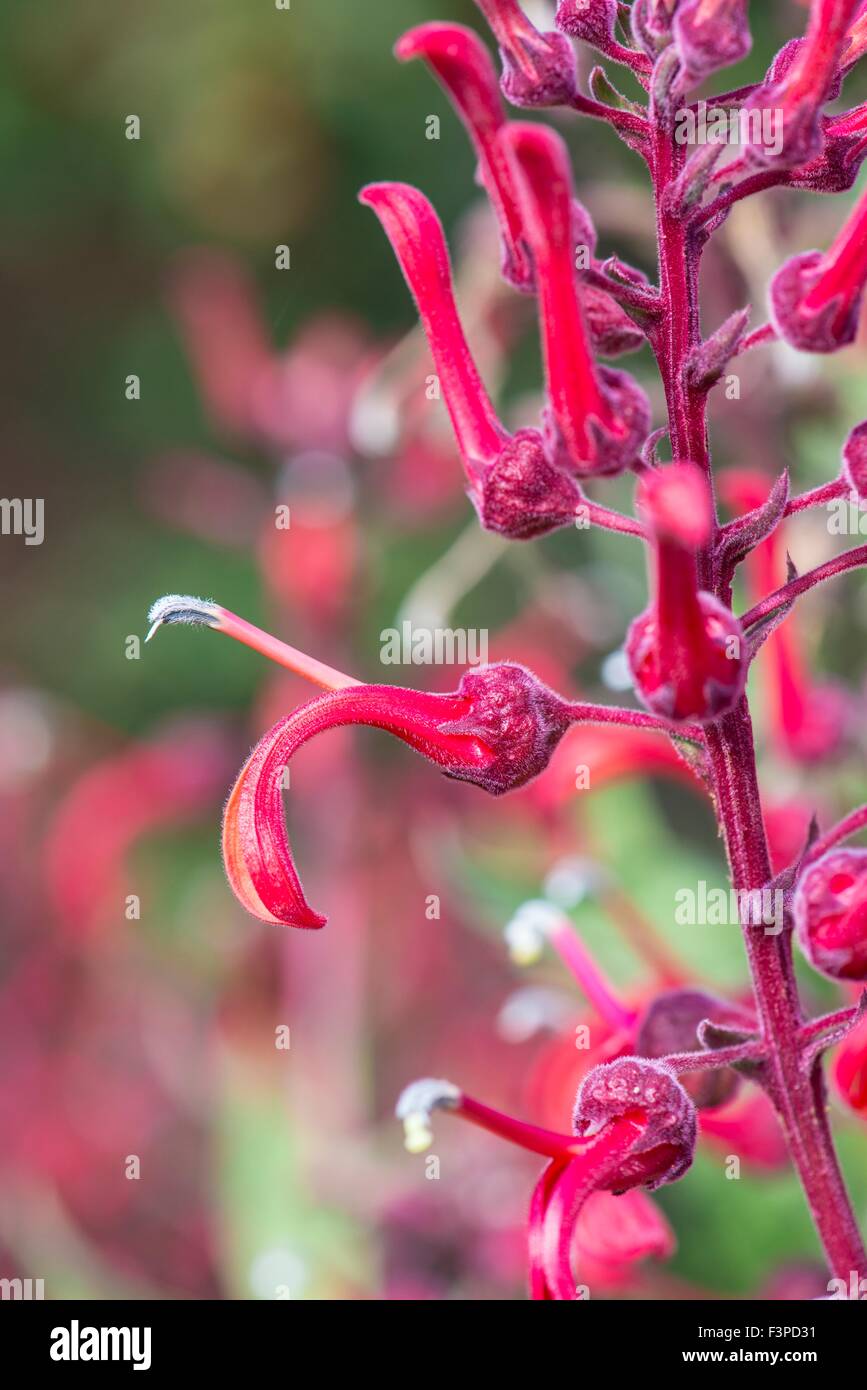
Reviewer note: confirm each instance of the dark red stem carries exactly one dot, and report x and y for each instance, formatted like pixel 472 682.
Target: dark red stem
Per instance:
pixel 796 1088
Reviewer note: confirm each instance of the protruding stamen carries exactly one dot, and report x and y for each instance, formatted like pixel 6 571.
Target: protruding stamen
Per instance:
pixel 185 608
pixel 537 922
pixel 419 1100
pixel 181 608
pixel 415 1106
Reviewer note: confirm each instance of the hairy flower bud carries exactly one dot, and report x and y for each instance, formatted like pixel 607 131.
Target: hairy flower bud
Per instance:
pixel 815 298
pixel 612 331
pixel 538 69
pixel 686 651
pixel 711 34
pixel 634 1087
pixel 837 168
pixel 650 21
pixel 830 912
pixel 855 460
pixel 670 1025
pixel 523 494
pixel 593 21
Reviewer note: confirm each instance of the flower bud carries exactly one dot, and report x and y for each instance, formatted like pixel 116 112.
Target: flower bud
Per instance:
pixel 711 34
pixel 830 913
pixel 648 1091
pixel 814 303
pixel 523 494
pixel 855 460
pixel 511 713
pixel 650 21
pixel 670 1025
pixel 594 21
pixel 538 69
pixel 686 651
pixel 612 331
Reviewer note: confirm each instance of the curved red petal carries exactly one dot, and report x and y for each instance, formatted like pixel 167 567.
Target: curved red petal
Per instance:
pixel 256 850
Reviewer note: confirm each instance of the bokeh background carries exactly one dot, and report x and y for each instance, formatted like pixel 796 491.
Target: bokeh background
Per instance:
pixel 139 1007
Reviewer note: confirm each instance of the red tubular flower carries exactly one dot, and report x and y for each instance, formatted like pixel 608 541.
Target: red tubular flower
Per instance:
pixel 224 335
pixel 804 77
pixel 849 1069
pixel 463 65
pixel 830 912
pixel 613 1234
pixel 642 1136
pixel 154 784
pixel 515 488
pixel 807 720
pixel 815 298
pixel 538 69
pixel 497 730
pixel 686 651
pixel 711 34
pixel 599 418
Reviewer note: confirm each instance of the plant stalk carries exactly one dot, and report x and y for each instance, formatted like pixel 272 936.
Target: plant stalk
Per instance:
pixel 796 1088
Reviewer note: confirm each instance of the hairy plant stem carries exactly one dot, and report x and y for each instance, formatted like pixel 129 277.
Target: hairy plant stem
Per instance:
pixel 795 1087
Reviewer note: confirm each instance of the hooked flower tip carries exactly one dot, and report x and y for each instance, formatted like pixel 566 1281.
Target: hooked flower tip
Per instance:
pixel 415 1106
pixel 498 731
pixel 181 608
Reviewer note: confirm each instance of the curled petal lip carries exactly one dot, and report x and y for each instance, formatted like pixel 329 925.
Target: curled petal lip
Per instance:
pixel 256 850
pixel 559 1197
